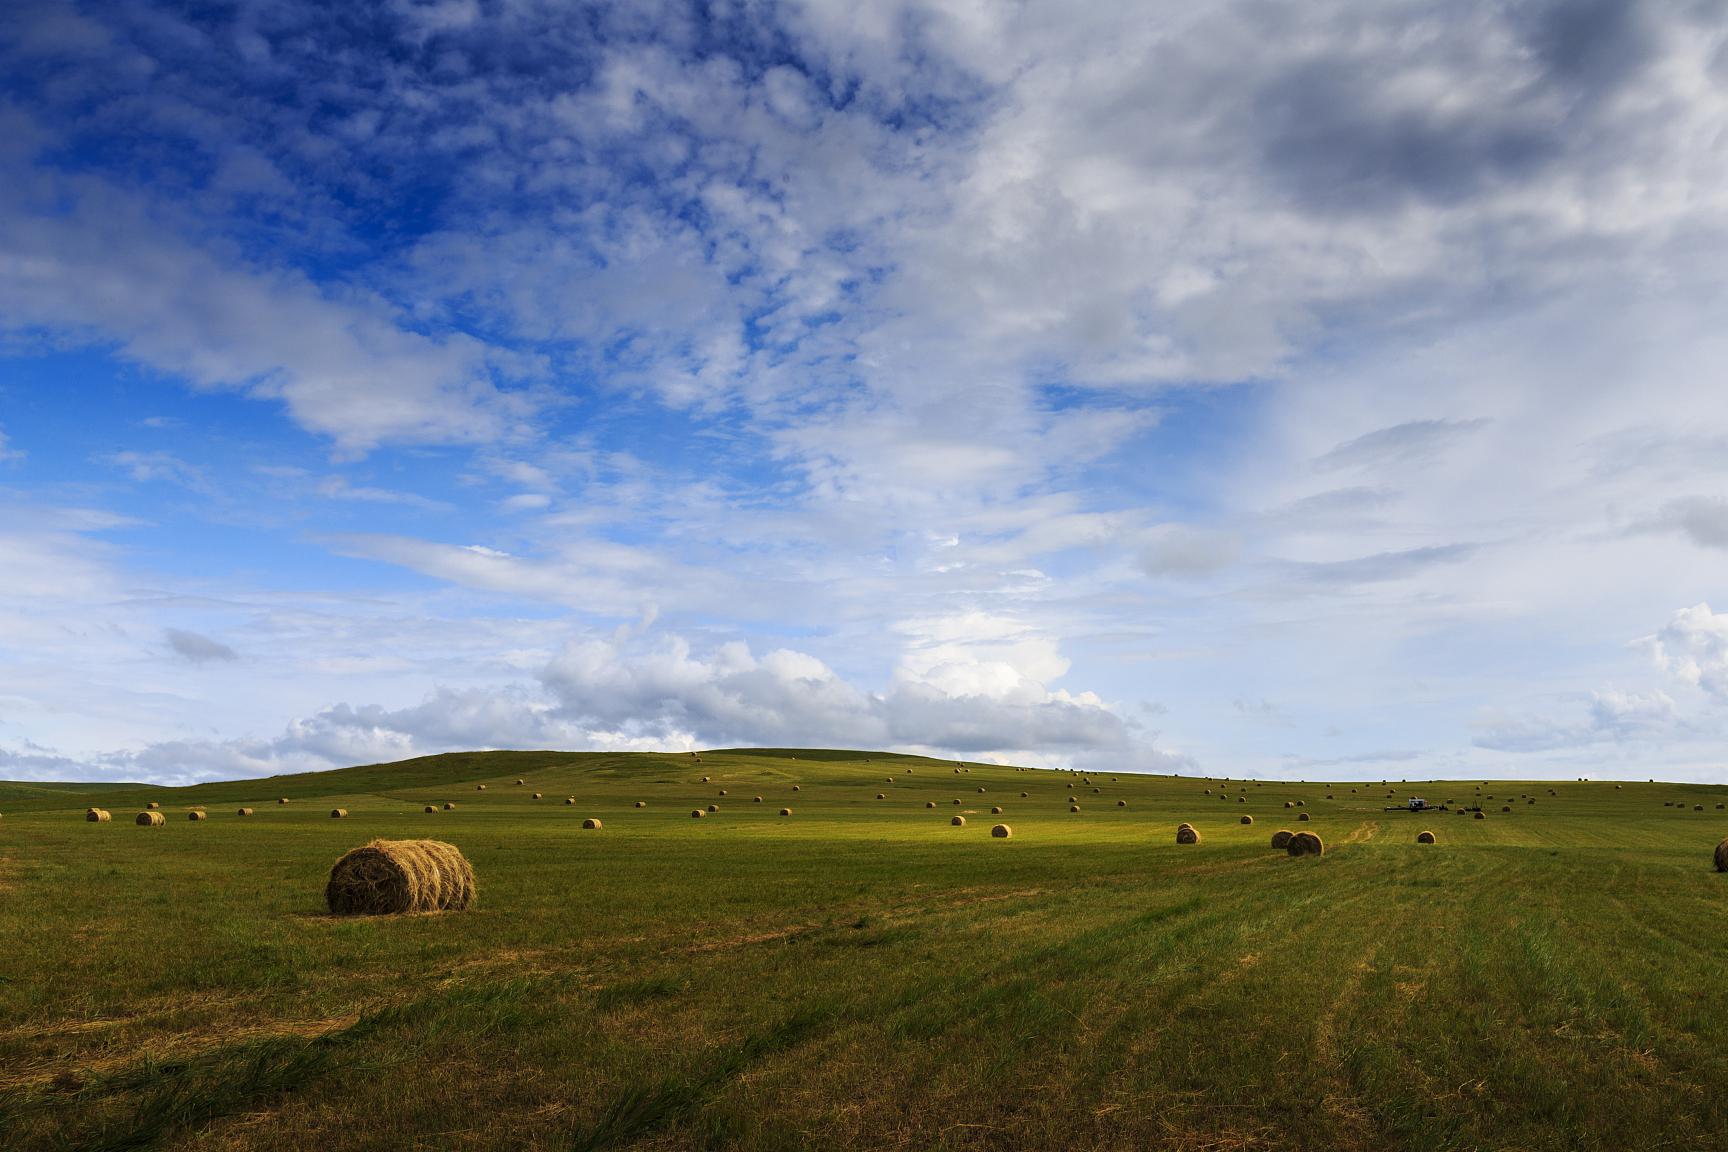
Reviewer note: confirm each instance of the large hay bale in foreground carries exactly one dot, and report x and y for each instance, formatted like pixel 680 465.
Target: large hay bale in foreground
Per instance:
pixel 1424 837
pixel 1281 838
pixel 1722 856
pixel 1187 835
pixel 98 815
pixel 1305 844
pixel 393 876
pixel 151 819
pixel 1001 832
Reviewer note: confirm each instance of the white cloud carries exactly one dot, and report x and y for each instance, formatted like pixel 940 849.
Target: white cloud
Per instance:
pixel 197 648
pixel 1693 647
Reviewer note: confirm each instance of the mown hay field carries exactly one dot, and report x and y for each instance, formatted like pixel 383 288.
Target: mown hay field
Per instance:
pixel 864 973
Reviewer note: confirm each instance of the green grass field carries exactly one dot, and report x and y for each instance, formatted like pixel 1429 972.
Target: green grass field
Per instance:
pixel 861 973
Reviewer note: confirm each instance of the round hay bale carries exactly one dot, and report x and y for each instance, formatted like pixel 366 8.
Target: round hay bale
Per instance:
pixel 1095 791
pixel 284 800
pixel 980 791
pixel 479 787
pixel 641 803
pixel 591 823
pixel 713 807
pixel 956 800
pixel 1289 804
pixel 785 811
pixel 722 791
pixel 153 806
pixel 1301 803
pixel 1506 808
pixel 1241 799
pixel 929 803
pixel 1697 807
pixel 195 814
pixel 338 813
pixel 1281 838
pixel 697 813
pixel 1424 837
pixel 881 795
pixel 98 815
pixel 387 877
pixel 1187 835
pixel 536 795
pixel 1479 815
pixel 704 779
pixel 1073 807
pixel 794 787
pixel 450 807
pixel 1023 795
pixel 958 821
pixel 996 810
pixel 151 819
pixel 1305 844
pixel 244 812
pixel 1247 819
pixel 1301 815
pixel 1721 856
pixel 429 808
pixel 519 782
pixel 758 800
pixel 1121 803
pixel 1001 832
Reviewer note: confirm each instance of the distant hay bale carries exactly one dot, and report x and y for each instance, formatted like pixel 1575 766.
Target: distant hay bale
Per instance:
pixel 195 814
pixel 785 811
pixel 591 823
pixel 449 807
pixel 1506 808
pixel 284 800
pixel 881 795
pixel 956 800
pixel 713 807
pixel 520 781
pixel 795 788
pixel 697 813
pixel 244 812
pixel 98 815
pixel 1697 807
pixel 388 877
pixel 722 791
pixel 1301 815
pixel 1246 819
pixel 429 808
pixel 704 779
pixel 1281 838
pixel 1001 832
pixel 1023 795
pixel 338 813
pixel 479 787
pixel 1479 815
pixel 1095 791
pixel 1121 803
pixel 980 791
pixel 153 806
pixel 1305 844
pixel 929 803
pixel 958 821
pixel 1289 804
pixel 536 795
pixel 1721 856
pixel 151 819
pixel 1187 835
pixel 1073 807
pixel 570 800
pixel 1241 799
pixel 641 803
pixel 758 800
pixel 1424 837
pixel 1301 803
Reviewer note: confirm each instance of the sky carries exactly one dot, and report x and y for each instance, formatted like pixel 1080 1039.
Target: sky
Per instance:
pixel 1333 391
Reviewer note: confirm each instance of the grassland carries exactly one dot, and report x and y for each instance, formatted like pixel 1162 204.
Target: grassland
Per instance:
pixel 862 974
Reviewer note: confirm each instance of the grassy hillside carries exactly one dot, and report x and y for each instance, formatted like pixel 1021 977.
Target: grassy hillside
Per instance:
pixel 862 973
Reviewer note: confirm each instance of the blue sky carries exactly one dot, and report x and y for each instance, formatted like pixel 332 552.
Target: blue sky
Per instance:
pixel 1323 391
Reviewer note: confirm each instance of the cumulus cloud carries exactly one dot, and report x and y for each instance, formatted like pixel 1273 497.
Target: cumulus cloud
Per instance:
pixel 1693 647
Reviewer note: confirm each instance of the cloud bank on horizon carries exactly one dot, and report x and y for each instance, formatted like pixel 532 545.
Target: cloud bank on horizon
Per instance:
pixel 1320 390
